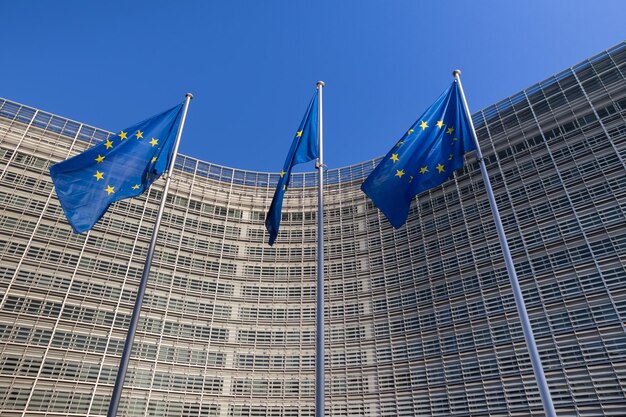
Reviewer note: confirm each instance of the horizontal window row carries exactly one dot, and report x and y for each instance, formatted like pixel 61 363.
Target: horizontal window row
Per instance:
pixel 67 401
pixel 87 315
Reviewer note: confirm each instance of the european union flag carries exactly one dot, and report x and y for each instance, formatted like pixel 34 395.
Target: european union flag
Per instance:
pixel 123 166
pixel 304 148
pixel 426 156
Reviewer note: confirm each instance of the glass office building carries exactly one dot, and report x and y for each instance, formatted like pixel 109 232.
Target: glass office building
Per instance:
pixel 420 321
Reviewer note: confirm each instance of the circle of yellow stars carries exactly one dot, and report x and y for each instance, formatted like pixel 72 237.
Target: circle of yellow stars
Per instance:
pixel 441 169
pixel 108 144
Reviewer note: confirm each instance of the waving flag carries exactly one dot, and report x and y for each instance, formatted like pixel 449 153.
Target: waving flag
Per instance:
pixel 426 156
pixel 123 166
pixel 304 148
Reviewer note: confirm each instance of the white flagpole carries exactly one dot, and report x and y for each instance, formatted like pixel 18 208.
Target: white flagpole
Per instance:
pixel 319 339
pixel 128 345
pixel 535 359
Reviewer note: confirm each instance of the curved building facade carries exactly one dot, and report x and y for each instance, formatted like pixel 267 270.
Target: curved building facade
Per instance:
pixel 420 321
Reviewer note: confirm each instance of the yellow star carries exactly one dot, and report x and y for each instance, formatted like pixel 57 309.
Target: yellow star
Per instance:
pixel 100 158
pixel 154 159
pixel 282 173
pixel 139 134
pixel 108 144
pixel 440 168
pixel 454 139
pixel 399 173
pixel 450 130
pixel 423 170
pixel 410 131
pixel 122 135
pixel 284 187
pixel 154 142
pixel 135 187
pixel 440 124
pixel 399 143
pixel 410 178
pixel 394 157
pixel 110 190
pixel 299 133
pixel 450 157
pixel 423 125
pixel 99 175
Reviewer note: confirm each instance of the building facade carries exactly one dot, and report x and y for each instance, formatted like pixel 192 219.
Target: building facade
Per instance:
pixel 420 321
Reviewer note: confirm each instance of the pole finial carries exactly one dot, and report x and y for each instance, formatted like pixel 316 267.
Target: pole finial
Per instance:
pixel 456 73
pixel 320 84
pixel 189 95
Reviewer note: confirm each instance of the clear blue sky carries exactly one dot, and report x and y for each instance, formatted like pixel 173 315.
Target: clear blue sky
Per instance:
pixel 252 65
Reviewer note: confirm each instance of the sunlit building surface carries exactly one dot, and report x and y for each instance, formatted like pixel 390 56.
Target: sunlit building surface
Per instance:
pixel 420 321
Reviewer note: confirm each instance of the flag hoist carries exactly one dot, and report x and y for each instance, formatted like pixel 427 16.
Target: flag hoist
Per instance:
pixel 128 344
pixel 426 156
pixel 307 145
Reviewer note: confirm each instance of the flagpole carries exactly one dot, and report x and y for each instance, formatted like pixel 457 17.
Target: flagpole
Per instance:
pixel 319 340
pixel 535 359
pixel 128 345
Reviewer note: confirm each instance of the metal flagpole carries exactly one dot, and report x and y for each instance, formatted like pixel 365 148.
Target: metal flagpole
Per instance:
pixel 319 339
pixel 121 372
pixel 548 406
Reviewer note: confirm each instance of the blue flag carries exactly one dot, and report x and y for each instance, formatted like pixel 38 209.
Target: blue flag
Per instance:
pixel 426 156
pixel 304 148
pixel 121 167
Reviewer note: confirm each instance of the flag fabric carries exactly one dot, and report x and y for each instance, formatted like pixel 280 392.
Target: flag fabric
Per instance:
pixel 425 157
pixel 123 166
pixel 304 148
